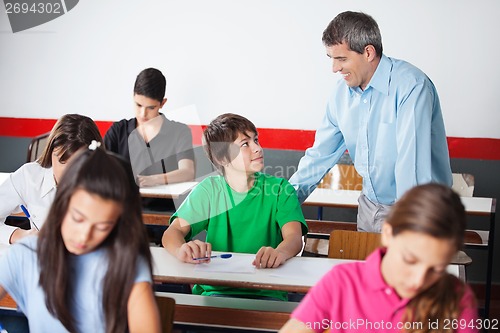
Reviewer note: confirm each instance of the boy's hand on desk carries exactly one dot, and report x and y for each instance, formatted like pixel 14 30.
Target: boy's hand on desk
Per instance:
pixel 145 181
pixel 267 257
pixel 194 249
pixel 21 233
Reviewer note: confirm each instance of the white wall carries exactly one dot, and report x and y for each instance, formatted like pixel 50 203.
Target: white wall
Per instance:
pixel 261 58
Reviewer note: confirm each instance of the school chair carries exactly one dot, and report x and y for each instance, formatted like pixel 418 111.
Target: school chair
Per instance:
pixel 356 245
pixel 463 184
pixel 36 147
pixel 318 235
pixel 166 307
pixel 342 177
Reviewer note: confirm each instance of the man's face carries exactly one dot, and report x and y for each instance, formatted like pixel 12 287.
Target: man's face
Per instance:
pixel 354 67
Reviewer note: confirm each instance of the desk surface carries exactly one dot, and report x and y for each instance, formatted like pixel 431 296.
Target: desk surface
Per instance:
pixel 349 199
pixel 169 191
pixel 4 176
pixel 298 274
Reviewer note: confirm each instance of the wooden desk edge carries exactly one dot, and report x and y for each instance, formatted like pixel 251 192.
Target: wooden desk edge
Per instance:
pixel 230 283
pixel 230 312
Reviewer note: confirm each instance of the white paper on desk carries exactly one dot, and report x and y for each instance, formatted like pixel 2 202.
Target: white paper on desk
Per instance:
pixel 298 272
pixel 235 264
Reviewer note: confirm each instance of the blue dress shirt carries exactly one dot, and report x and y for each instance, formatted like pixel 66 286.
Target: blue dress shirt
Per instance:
pixel 393 130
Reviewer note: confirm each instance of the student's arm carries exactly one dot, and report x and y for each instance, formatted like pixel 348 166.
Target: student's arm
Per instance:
pixel 12 195
pixel 267 257
pixel 19 233
pixel 185 173
pixel 295 326
pixel 142 310
pixel 173 241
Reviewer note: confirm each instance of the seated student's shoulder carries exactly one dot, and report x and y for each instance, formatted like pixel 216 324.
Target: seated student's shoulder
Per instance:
pixel 33 174
pixel 24 249
pixel 175 124
pixel 123 125
pixel 276 182
pixel 214 183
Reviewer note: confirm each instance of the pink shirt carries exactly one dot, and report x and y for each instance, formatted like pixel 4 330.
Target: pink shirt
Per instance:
pixel 354 297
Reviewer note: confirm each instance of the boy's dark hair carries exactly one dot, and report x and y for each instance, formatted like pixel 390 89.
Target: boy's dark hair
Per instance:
pixel 70 133
pixel 220 134
pixel 110 177
pixel 356 29
pixel 151 83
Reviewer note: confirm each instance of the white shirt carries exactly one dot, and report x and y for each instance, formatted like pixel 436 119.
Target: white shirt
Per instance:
pixel 32 186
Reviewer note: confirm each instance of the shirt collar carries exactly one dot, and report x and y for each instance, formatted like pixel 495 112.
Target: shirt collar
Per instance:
pixel 132 124
pixel 48 182
pixel 380 79
pixel 373 277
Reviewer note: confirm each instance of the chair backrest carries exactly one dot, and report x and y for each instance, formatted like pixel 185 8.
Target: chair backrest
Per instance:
pixel 316 241
pixel 357 245
pixel 463 184
pixel 36 147
pixel 166 307
pixel 342 177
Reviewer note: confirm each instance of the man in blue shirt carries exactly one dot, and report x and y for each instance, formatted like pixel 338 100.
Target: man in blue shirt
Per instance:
pixel 385 112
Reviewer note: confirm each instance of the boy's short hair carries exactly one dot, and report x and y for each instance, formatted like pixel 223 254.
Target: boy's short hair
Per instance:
pixel 150 83
pixel 220 134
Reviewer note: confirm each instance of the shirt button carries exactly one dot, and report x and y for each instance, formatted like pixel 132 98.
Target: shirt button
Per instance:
pixel 388 291
pixel 365 101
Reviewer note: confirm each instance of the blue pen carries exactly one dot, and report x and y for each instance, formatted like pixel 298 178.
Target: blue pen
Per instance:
pixel 223 256
pixel 25 210
pixel 2 330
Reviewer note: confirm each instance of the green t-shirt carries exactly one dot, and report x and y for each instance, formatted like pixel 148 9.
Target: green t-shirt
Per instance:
pixel 241 222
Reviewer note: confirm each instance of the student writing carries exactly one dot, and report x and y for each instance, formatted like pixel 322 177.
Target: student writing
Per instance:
pixel 403 286
pixel 159 149
pixel 89 269
pixel 34 184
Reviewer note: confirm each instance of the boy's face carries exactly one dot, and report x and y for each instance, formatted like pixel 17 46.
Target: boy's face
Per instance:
pixel 146 108
pixel 250 156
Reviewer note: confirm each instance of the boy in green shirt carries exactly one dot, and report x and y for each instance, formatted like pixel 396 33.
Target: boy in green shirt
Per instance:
pixel 242 210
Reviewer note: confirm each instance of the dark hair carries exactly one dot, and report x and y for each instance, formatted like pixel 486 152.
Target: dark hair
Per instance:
pixel 432 209
pixel 435 210
pixel 70 133
pixel 356 29
pixel 220 134
pixel 150 83
pixel 109 177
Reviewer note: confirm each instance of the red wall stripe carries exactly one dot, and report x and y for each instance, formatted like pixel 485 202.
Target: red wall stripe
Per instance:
pixel 273 138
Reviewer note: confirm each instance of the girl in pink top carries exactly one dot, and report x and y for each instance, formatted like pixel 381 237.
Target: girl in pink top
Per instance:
pixel 403 287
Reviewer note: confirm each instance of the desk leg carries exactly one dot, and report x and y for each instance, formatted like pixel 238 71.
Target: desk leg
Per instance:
pixel 489 270
pixel 320 213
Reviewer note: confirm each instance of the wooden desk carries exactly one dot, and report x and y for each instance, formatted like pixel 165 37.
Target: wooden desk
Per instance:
pixel 230 312
pixel 169 191
pixel 298 274
pixel 322 197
